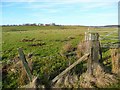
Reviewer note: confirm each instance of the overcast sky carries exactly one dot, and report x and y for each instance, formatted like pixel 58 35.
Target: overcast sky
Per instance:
pixel 65 12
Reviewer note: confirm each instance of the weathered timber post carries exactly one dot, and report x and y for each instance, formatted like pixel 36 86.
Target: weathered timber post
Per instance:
pixel 33 79
pixel 93 47
pixel 96 72
pixel 115 61
pixel 25 64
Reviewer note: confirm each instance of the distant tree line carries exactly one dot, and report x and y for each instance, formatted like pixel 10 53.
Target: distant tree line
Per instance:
pixel 53 24
pixel 33 24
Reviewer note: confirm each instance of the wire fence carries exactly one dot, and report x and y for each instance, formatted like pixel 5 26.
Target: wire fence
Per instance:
pixel 106 36
pixel 110 39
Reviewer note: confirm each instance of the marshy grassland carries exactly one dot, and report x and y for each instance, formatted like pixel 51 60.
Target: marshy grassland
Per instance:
pixel 42 46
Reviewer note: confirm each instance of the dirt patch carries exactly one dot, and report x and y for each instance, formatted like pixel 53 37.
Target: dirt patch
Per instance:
pixel 57 40
pixel 37 44
pixel 38 40
pixel 64 40
pixel 43 32
pixel 27 40
pixel 71 37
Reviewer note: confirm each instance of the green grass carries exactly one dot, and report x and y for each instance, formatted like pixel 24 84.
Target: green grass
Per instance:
pixel 12 40
pixel 47 60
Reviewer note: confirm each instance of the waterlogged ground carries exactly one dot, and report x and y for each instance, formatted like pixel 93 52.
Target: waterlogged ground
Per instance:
pixel 45 44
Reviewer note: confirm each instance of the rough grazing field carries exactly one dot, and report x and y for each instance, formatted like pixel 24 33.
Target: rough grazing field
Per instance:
pixel 43 46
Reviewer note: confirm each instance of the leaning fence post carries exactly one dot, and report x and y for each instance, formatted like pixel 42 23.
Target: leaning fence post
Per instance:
pixel 25 64
pixel 93 47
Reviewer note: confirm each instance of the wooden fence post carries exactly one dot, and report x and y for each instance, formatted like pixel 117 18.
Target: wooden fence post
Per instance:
pixel 25 64
pixel 115 61
pixel 93 45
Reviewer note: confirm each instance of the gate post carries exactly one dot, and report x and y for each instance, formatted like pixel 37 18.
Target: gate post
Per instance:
pixel 93 47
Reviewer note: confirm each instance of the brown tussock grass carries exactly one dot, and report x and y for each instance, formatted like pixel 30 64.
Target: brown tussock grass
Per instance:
pixel 81 49
pixel 66 49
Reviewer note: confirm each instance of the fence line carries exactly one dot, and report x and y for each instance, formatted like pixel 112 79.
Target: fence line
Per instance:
pixel 93 54
pixel 103 38
pixel 106 37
